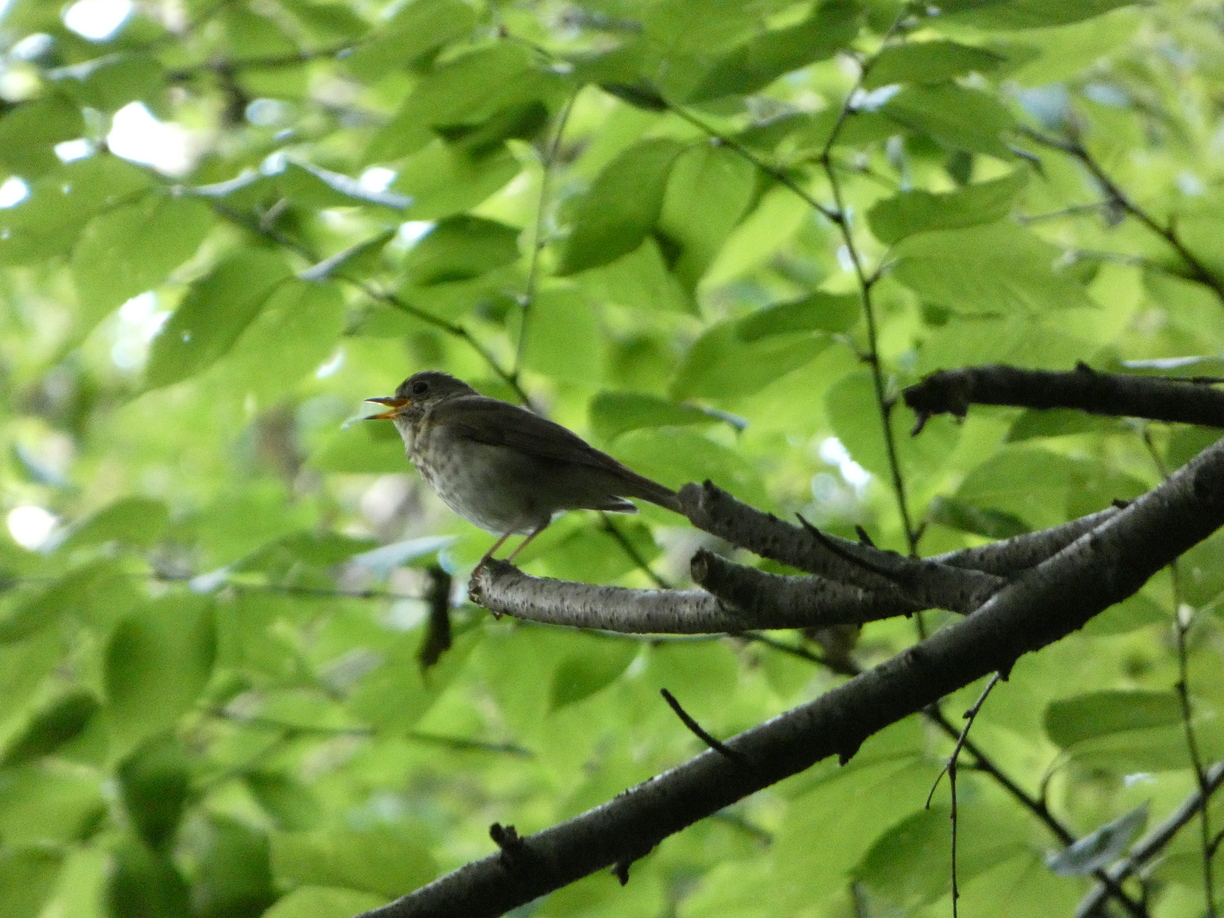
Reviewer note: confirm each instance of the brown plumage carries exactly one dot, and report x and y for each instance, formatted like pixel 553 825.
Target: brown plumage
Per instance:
pixel 503 468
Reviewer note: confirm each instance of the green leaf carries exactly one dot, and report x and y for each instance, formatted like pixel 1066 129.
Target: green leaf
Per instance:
pixel 413 31
pixel 1134 612
pixel 1100 848
pixel 909 862
pixel 250 35
pixel 639 280
pixel 443 180
pixel 27 878
pixel 58 723
pixel 145 883
pixel 673 456
pixel 153 784
pixel 467 89
pixel 460 248
pixel 958 118
pixel 48 222
pixel 563 336
pixel 929 62
pixel 213 314
pixel 289 802
pixel 324 902
pixel 132 249
pixel 373 448
pixel 827 312
pixel 1095 714
pixel 615 413
pixel 909 212
pixel 993 524
pixel 30 130
pixel 1026 483
pixel 520 121
pixel 583 674
pixel 777 219
pixel 357 260
pixel 295 331
pixel 135 521
pixel 1060 422
pixel 80 591
pixel 722 363
pixel 315 187
pixel 998 268
pixel 235 871
pixel 110 82
pixel 621 207
pixel 759 61
pixel 854 414
pixel 1022 14
pixel 379 861
pixel 49 805
pixel 709 190
pixel 144 695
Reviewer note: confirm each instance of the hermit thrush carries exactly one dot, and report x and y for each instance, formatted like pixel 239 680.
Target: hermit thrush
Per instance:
pixel 503 468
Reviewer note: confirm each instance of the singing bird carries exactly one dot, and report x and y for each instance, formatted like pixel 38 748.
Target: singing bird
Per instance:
pixel 502 467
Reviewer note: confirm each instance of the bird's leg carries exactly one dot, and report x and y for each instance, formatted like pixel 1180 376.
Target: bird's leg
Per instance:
pixel 489 554
pixel 527 541
pixel 474 591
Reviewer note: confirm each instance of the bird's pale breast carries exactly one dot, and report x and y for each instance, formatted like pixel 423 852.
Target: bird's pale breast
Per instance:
pixel 489 486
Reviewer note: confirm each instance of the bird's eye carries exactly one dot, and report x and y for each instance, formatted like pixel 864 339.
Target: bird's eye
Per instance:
pixel 420 388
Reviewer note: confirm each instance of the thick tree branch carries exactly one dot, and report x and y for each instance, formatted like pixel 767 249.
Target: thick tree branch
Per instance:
pixel 806 602
pixel 745 598
pixel 1043 605
pixel 1010 556
pixel 927 583
pixel 1083 389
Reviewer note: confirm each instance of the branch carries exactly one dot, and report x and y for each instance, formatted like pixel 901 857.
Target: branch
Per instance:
pixel 1197 268
pixel 927 583
pixel 1154 842
pixel 1044 605
pixel 801 602
pixel 505 590
pixel 1083 389
pixel 1010 556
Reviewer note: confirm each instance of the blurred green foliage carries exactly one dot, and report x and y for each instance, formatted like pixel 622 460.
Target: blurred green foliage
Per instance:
pixel 225 224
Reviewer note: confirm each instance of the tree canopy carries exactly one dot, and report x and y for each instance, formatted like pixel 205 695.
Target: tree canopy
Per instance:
pixel 731 244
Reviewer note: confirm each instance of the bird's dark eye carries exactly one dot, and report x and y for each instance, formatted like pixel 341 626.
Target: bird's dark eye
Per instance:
pixel 420 388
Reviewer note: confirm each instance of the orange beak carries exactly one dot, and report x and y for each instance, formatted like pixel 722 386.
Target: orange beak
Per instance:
pixel 395 404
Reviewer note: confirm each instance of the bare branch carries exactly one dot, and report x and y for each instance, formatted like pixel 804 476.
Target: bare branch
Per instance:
pixel 804 602
pixel 1059 596
pixel 1083 389
pixel 503 589
pixel 925 583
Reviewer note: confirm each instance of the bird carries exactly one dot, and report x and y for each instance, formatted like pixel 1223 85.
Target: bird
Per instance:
pixel 504 468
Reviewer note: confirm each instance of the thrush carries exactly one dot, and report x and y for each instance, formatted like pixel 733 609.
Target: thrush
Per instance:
pixel 504 468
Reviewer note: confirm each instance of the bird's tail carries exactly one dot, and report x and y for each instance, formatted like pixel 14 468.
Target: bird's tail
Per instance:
pixel 654 492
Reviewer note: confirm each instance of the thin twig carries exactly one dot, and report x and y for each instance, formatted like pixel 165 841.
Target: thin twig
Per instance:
pixel 381 296
pixel 1183 619
pixel 773 172
pixel 697 730
pixel 537 237
pixel 1119 196
pixel 950 769
pixel 627 547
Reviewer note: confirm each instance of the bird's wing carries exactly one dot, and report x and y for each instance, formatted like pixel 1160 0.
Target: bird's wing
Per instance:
pixel 487 420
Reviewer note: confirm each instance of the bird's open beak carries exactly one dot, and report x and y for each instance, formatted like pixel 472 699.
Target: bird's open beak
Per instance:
pixel 395 404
